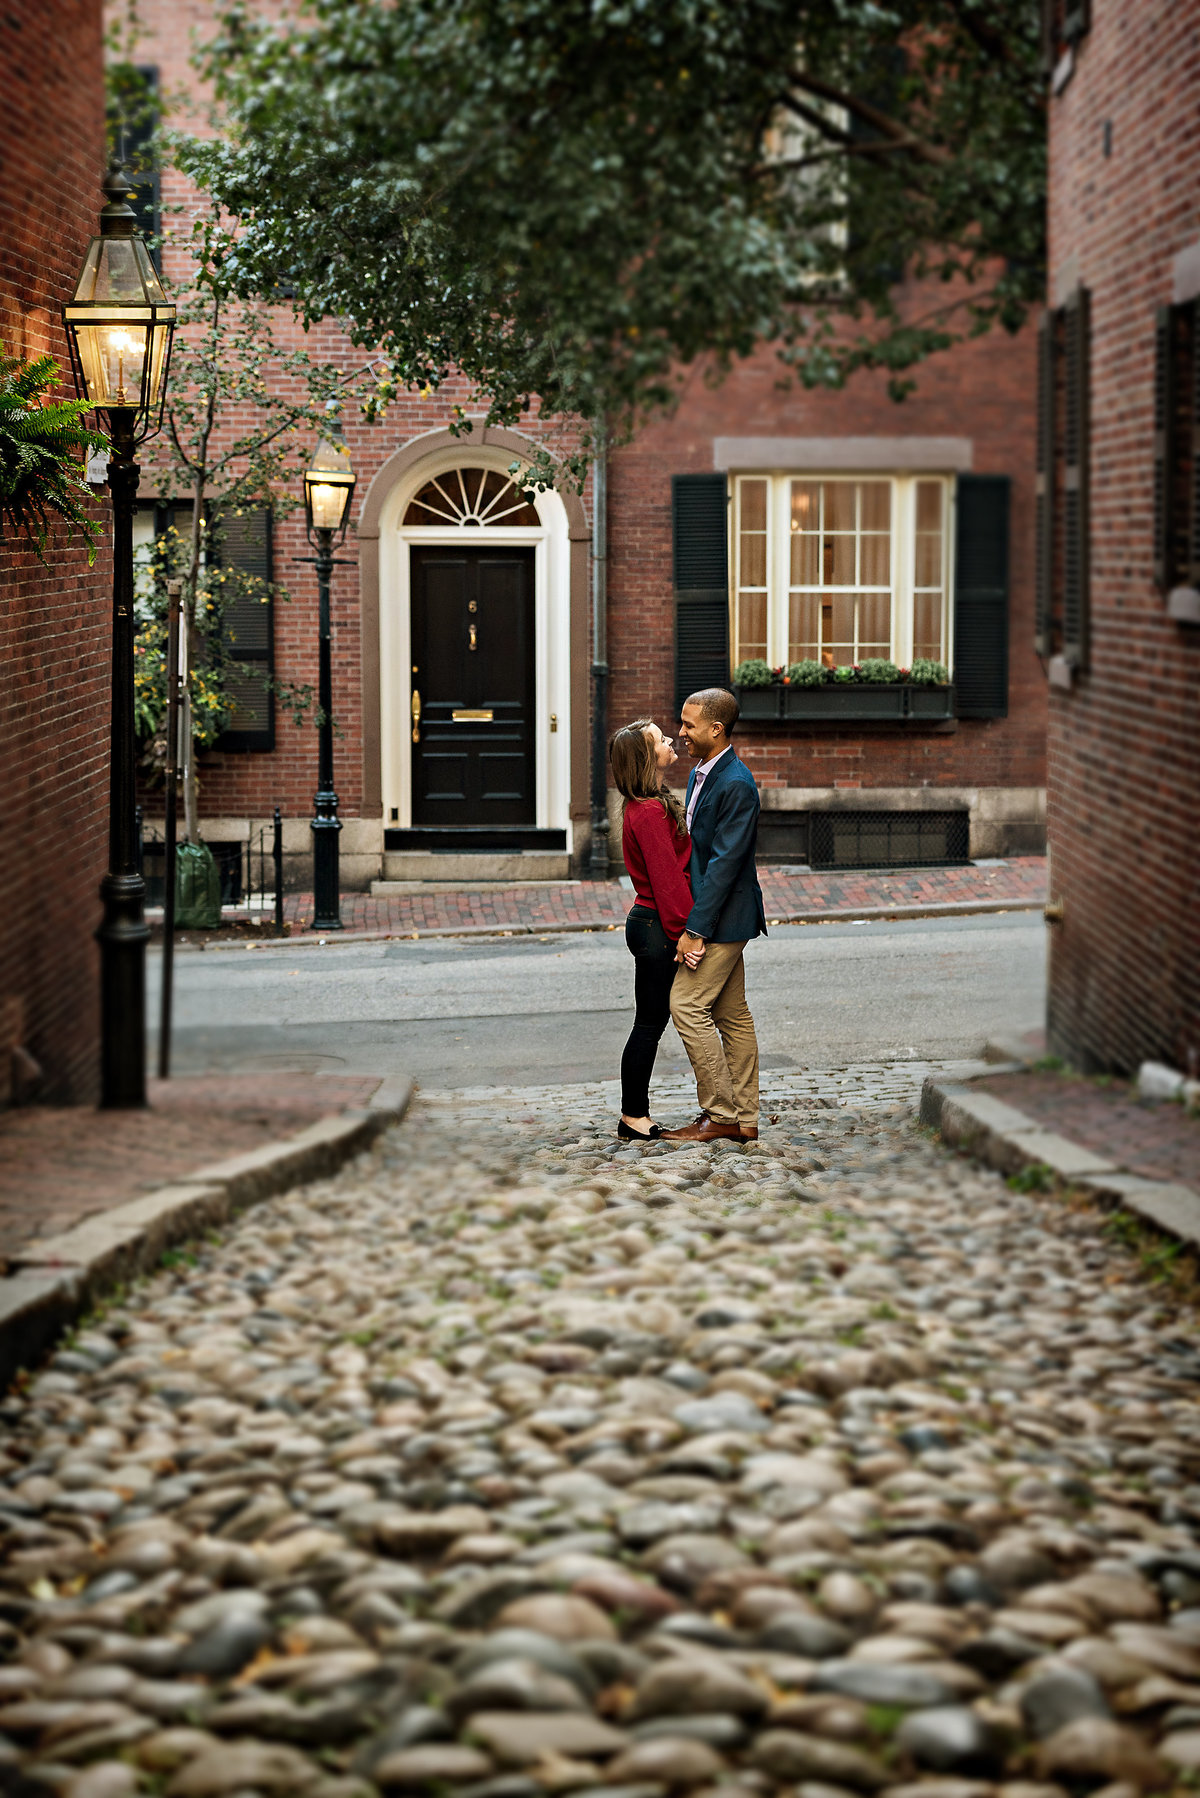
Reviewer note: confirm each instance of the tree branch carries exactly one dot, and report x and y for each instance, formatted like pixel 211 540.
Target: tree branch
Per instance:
pixel 870 115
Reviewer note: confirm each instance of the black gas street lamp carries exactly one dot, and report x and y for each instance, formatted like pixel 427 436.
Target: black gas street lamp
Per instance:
pixel 328 486
pixel 119 325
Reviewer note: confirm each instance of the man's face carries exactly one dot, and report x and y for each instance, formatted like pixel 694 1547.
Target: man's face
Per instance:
pixel 702 736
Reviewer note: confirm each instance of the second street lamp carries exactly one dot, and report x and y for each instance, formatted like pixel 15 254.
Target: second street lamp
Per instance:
pixel 328 486
pixel 119 325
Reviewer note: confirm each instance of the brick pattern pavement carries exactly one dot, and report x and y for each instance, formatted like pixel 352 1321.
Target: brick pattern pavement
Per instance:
pixel 1157 1141
pixel 606 902
pixel 58 1165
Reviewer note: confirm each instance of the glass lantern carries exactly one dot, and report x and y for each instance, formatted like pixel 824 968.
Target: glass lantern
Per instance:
pixel 328 485
pixel 119 321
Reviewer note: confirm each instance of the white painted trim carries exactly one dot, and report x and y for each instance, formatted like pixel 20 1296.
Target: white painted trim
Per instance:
pixel 1185 274
pixel 843 455
pixel 552 624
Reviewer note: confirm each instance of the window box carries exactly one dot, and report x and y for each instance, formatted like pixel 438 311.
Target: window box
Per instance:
pixel 848 703
pixel 930 702
pixel 761 702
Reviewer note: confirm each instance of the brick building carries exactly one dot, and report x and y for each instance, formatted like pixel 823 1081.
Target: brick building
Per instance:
pixel 1119 531
pixel 54 620
pixel 462 642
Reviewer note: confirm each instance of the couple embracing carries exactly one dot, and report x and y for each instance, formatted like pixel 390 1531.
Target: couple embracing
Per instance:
pixel 697 904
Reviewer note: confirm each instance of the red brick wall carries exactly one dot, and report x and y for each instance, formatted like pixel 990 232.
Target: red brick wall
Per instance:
pixel 1124 744
pixel 54 621
pixel 983 391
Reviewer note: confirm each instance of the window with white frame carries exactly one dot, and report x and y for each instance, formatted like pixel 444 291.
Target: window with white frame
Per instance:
pixel 839 568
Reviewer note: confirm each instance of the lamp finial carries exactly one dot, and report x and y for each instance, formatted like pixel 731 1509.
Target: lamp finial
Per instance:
pixel 117 218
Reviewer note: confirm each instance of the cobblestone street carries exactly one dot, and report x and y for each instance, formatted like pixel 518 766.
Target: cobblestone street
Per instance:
pixel 510 1463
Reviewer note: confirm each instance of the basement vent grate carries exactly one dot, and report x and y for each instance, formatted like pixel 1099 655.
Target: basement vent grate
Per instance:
pixel 888 839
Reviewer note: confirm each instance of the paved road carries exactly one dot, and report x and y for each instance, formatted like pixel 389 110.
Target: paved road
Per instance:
pixel 512 1463
pixel 464 1012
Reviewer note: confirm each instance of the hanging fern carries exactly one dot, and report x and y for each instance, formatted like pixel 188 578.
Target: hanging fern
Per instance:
pixel 41 440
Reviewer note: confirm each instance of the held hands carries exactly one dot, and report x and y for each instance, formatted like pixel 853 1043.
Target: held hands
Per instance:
pixel 690 949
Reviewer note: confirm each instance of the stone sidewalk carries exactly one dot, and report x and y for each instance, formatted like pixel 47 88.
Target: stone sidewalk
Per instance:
pixel 1042 1124
pixel 62 1164
pixel 513 1462
pixel 596 905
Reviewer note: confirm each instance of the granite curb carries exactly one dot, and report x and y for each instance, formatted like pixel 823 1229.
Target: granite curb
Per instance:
pixel 58 1278
pixel 1009 1140
pixel 861 914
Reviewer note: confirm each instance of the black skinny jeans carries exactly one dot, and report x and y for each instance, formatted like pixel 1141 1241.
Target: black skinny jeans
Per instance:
pixel 654 970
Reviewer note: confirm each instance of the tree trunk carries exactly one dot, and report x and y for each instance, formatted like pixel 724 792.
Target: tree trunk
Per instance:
pixel 187 746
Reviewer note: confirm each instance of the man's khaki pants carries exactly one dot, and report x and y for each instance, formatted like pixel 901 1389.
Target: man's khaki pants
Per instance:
pixel 709 1010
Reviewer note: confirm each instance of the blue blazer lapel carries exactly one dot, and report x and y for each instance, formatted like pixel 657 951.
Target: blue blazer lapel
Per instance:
pixel 712 779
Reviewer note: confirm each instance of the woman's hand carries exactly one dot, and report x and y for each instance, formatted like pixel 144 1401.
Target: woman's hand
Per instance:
pixel 690 949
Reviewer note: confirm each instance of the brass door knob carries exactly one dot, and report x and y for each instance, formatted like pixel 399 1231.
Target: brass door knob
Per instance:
pixel 416 716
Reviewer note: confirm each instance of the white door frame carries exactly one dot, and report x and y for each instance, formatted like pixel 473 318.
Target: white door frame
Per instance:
pixel 552 693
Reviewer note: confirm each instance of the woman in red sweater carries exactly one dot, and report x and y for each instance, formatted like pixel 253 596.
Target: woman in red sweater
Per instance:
pixel 657 851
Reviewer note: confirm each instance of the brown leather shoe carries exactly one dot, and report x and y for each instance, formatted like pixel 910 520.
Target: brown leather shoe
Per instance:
pixel 704 1129
pixel 748 1132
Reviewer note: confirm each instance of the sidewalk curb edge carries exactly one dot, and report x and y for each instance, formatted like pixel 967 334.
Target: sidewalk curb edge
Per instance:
pixel 1008 1140
pixel 951 908
pixel 57 1279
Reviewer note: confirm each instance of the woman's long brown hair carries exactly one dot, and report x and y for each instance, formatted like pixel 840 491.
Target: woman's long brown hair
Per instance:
pixel 632 754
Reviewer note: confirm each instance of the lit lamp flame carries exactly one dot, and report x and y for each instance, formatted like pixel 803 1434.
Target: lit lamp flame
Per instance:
pixel 123 343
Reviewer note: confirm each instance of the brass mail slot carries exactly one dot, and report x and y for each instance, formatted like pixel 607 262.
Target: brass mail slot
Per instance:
pixel 471 717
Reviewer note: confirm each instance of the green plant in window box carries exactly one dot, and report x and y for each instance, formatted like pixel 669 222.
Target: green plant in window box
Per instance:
pixel 754 673
pixel 807 674
pixel 925 673
pixel 876 671
pixel 845 673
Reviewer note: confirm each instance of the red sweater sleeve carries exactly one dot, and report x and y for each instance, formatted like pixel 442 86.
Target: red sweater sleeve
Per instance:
pixel 655 836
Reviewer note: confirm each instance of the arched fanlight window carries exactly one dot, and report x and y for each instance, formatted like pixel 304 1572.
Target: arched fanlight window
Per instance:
pixel 471 496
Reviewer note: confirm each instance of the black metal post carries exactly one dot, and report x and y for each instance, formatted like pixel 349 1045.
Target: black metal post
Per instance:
pixel 174 696
pixel 599 857
pixel 326 825
pixel 277 857
pixel 123 931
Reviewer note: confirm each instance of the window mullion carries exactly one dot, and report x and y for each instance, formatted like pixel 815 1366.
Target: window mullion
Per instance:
pixel 779 569
pixel 904 552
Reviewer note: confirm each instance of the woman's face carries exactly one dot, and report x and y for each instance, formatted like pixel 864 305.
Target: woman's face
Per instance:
pixel 664 748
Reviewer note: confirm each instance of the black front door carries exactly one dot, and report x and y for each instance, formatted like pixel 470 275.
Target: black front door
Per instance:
pixel 472 680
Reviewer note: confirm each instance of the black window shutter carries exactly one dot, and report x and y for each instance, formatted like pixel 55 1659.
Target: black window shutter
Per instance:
pixel 981 596
pixel 1164 419
pixel 1076 437
pixel 243 541
pixel 1193 550
pixel 1051 32
pixel 700 543
pixel 1044 502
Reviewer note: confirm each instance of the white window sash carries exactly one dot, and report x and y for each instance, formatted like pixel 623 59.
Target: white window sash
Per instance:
pixel 903 559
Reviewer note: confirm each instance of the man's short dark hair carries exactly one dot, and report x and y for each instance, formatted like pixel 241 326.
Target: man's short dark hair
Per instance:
pixel 717 706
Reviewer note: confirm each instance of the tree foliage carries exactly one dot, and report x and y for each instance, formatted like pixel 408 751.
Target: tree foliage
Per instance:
pixel 574 199
pixel 240 421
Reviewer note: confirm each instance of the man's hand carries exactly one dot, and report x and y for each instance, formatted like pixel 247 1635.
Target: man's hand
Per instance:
pixel 690 949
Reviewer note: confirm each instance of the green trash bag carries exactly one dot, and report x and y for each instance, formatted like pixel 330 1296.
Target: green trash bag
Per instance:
pixel 197 888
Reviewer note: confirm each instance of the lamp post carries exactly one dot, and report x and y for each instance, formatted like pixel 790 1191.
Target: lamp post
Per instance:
pixel 119 325
pixel 328 486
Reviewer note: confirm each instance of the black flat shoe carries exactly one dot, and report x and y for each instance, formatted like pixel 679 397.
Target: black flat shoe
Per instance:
pixel 629 1135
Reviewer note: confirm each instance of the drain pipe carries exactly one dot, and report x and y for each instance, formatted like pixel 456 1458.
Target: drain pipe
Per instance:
pixel 598 868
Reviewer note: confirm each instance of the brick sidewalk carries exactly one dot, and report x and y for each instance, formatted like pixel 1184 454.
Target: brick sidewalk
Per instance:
pixel 60 1165
pixel 1157 1141
pixel 600 903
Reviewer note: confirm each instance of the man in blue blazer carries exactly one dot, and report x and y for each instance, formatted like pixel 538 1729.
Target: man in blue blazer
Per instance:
pixel 708 999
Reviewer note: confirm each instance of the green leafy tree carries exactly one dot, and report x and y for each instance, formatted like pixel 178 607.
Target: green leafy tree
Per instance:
pixel 241 415
pixel 573 199
pixel 41 442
